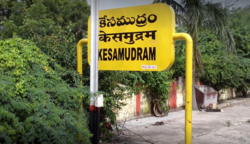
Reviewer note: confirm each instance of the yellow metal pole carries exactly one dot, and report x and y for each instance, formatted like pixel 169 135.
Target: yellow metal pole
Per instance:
pixel 188 103
pixel 79 65
pixel 79 54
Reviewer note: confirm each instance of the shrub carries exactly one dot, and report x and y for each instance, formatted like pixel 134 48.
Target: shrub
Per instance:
pixel 36 105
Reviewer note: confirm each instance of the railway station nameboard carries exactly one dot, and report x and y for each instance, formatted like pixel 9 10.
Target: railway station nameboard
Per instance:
pixel 136 38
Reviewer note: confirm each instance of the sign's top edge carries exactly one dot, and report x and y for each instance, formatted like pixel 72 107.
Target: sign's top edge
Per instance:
pixel 138 6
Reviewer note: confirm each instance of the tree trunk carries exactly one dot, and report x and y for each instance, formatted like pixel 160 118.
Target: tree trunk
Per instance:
pixel 244 93
pixel 194 103
pixel 195 42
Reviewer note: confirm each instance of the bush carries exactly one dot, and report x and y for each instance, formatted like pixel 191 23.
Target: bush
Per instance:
pixel 36 105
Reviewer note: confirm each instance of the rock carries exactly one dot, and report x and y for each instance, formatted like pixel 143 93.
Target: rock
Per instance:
pixel 158 123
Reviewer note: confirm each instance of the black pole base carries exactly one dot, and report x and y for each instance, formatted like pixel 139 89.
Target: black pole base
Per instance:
pixel 94 122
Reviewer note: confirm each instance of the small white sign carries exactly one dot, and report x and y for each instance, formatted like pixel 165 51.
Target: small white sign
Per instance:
pixel 99 101
pixel 149 66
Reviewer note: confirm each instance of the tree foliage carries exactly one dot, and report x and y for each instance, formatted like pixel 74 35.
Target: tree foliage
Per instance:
pixel 223 69
pixel 42 17
pixel 55 26
pixel 240 28
pixel 158 84
pixel 199 15
pixel 36 105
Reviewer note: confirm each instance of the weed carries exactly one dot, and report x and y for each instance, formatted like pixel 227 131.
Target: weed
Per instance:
pixel 228 123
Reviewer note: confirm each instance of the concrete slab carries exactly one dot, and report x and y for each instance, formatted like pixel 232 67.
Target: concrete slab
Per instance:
pixel 208 127
pixel 223 105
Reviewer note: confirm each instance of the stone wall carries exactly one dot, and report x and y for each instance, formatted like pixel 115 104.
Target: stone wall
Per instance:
pixel 145 103
pixel 129 111
pixel 226 94
pixel 180 102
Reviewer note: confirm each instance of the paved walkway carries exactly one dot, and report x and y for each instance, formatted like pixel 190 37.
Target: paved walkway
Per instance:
pixel 228 127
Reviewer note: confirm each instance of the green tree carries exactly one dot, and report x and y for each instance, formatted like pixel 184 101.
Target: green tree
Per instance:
pixel 240 29
pixel 222 69
pixel 55 26
pixel 27 17
pixel 197 15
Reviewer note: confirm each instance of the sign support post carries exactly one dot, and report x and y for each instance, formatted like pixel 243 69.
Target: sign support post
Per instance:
pixel 94 112
pixel 188 102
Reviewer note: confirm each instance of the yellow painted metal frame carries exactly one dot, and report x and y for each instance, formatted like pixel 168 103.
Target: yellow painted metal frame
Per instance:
pixel 188 102
pixel 79 54
pixel 79 65
pixel 189 60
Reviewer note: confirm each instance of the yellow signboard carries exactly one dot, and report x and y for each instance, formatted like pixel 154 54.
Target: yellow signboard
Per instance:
pixel 136 38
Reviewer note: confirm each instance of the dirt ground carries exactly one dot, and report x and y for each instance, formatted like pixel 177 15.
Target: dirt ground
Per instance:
pixel 232 126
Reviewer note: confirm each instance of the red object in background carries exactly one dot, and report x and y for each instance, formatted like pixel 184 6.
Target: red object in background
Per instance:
pixel 138 103
pixel 199 83
pixel 173 95
pixel 108 126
